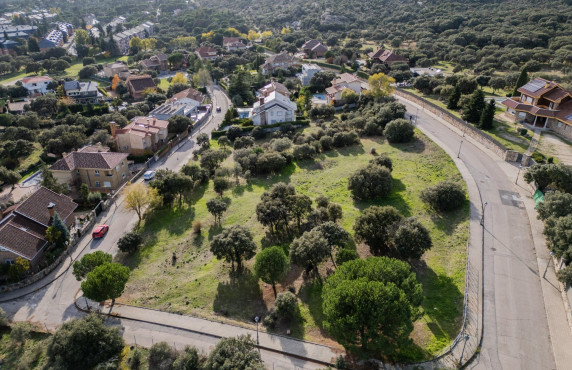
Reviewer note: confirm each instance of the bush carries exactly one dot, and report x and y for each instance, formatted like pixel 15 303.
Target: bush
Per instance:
pixel 383 160
pixel 197 227
pixel 161 356
pixel 269 321
pixel 399 131
pixel 345 255
pixel 130 242
pixel 280 145
pixel 188 359
pixel 243 142
pixel 326 142
pixel 565 275
pixel 94 198
pixel 370 182
pixel 444 196
pixel 286 305
pixel 523 131
pixel 304 151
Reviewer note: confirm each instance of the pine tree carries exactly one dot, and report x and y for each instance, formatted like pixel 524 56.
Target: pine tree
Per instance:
pixel 33 45
pixel 453 102
pixel 522 80
pixel 488 115
pixel 472 113
pixel 59 224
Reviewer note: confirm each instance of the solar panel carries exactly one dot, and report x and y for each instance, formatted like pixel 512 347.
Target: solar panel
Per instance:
pixel 534 85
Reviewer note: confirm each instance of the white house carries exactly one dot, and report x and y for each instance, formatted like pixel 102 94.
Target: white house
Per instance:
pixel 189 97
pixel 344 81
pixel 271 109
pixel 308 71
pixel 36 84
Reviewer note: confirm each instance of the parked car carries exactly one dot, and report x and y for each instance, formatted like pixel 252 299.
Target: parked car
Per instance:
pixel 149 175
pixel 99 231
pixel 218 109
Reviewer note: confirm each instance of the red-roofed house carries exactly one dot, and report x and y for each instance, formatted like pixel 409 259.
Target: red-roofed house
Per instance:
pixel 233 43
pixel 138 84
pixel 207 53
pixel 344 81
pixel 543 104
pixel 23 231
pixel 387 57
pixel 314 49
pixel 101 171
pixel 143 134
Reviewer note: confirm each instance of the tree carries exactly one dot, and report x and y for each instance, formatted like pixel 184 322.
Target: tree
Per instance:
pixel 89 262
pixel 444 196
pixel 175 60
pixel 565 275
pixel 286 305
pixel 472 112
pixel 171 185
pixel 309 250
pixel 203 140
pixel 556 176
pixel 81 37
pixel 556 204
pixel 87 72
pixel 271 266
pixel 370 182
pixel 220 184
pixel 33 45
pixel 497 83
pixel 19 268
pixel 105 282
pixel 399 131
pixel 211 159
pixel 300 206
pixel 558 236
pixel 371 303
pixel 488 116
pixel 178 124
pixel 375 227
pixel 217 207
pixel 154 99
pixel 235 354
pixel 62 234
pixel 114 82
pixel 453 102
pixel 9 177
pixel 335 235
pixel 138 197
pixel 84 343
pixel 48 181
pixel 380 85
pixel 274 208
pixel 234 244
pixel 522 80
pixel 179 78
pixel 161 356
pixel 130 242
pixel 203 77
pixel 188 359
pixel 411 239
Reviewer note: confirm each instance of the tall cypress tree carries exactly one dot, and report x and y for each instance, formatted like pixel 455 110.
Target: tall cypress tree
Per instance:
pixel 487 117
pixel 522 80
pixel 453 102
pixel 472 113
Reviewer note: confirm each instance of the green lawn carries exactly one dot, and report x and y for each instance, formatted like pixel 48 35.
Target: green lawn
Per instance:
pixel 31 354
pixel 199 284
pixel 508 135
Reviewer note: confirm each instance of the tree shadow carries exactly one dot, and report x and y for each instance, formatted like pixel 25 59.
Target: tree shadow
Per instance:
pixel 442 302
pixel 416 145
pixel 214 230
pixel 240 297
pixel 449 221
pixel 311 294
pixel 395 198
pixel 354 150
pixel 175 219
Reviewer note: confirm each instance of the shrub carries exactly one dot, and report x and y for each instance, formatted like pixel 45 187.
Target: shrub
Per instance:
pixel 286 305
pixel 243 142
pixel 161 356
pixel 370 182
pixel 269 321
pixel 565 275
pixel 326 142
pixel 345 255
pixel 399 131
pixel 304 151
pixel 280 145
pixel 523 131
pixel 197 227
pixel 444 196
pixel 383 160
pixel 130 242
pixel 94 198
pixel 188 359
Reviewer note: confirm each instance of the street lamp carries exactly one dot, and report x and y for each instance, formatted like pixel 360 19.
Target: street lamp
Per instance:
pixel 483 214
pixel 257 319
pixel 459 153
pixel 519 168
pixel 548 264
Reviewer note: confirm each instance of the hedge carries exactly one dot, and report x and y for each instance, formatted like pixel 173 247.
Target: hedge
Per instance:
pixel 246 129
pixel 332 66
pixel 363 75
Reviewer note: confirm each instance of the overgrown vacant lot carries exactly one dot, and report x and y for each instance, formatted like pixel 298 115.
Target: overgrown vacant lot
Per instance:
pixel 199 284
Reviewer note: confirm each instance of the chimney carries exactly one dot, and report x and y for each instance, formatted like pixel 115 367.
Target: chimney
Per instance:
pixel 261 101
pixel 113 128
pixel 52 209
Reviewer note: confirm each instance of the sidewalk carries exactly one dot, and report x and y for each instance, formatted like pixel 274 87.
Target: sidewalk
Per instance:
pixel 311 352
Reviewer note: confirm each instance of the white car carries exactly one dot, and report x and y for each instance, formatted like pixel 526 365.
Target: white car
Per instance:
pixel 149 175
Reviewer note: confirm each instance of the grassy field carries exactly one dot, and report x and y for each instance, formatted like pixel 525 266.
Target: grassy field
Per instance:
pixel 31 354
pixel 508 135
pixel 199 284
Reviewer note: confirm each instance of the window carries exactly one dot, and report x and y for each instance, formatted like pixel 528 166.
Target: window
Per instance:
pixel 96 172
pixel 97 184
pixel 106 184
pixel 278 113
pixel 77 172
pixel 9 261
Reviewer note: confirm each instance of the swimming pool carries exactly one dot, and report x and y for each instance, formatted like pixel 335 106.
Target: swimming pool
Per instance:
pixel 320 96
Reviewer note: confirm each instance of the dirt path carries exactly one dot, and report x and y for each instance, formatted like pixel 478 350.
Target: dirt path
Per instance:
pixel 552 146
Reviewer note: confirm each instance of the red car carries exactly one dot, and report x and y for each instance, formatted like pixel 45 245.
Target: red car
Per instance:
pixel 99 231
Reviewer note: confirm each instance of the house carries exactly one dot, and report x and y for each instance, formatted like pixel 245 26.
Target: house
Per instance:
pixel 272 87
pixel 308 71
pixel 23 231
pixel 207 53
pixel 17 107
pixel 8 47
pixel 81 92
pixel 138 84
pixel 122 38
pixel 344 81
pixel 112 69
pixel 36 85
pixel 387 57
pixel 56 37
pixel 233 43
pixel 101 171
pixel 66 28
pixel 156 62
pixel 314 49
pixel 143 134
pixel 543 104
pixel 279 61
pixel 190 97
pixel 45 44
pixel 168 110
pixel 272 109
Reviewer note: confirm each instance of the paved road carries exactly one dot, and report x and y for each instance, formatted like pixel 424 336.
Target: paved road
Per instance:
pixel 516 333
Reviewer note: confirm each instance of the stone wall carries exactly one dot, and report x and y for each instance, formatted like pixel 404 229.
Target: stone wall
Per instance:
pixel 468 129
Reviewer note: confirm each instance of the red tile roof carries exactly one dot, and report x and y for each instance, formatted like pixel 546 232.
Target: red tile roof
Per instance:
pixel 141 83
pixel 36 206
pixel 188 93
pixel 76 160
pixel 36 79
